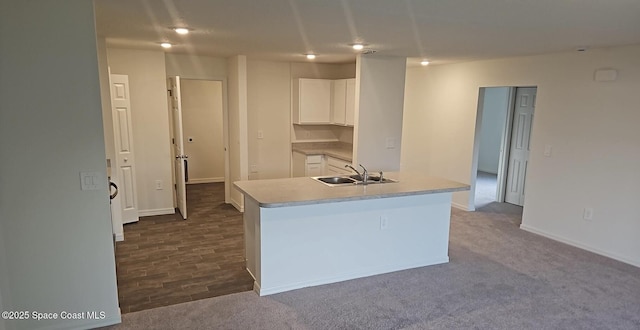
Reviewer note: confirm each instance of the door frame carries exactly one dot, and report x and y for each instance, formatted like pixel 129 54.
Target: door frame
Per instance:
pixel 225 133
pixel 503 161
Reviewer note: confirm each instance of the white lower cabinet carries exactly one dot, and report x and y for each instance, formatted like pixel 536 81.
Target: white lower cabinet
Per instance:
pixel 307 165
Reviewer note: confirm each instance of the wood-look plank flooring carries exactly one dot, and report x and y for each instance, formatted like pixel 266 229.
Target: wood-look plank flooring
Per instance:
pixel 165 260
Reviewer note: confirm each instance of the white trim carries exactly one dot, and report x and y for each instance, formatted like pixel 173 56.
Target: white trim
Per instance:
pixel 119 237
pixel 460 206
pixel 237 205
pixel 348 276
pixel 206 180
pixel 579 245
pixel 152 212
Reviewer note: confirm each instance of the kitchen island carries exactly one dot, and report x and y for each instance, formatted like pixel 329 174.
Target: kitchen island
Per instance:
pixel 300 232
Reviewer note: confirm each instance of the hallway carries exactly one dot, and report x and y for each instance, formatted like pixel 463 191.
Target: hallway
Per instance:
pixel 165 260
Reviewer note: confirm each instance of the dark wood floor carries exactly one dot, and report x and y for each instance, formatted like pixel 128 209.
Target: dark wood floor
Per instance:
pixel 165 260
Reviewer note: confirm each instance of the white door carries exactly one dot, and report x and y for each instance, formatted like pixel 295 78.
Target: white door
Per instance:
pixel 178 147
pixel 519 151
pixel 123 140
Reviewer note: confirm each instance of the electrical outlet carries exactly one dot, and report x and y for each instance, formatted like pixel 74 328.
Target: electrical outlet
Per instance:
pixel 384 222
pixel 254 168
pixel 587 214
pixel 260 134
pixel 158 184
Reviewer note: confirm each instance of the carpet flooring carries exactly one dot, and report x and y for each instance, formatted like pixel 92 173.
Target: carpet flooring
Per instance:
pixel 498 277
pixel 486 185
pixel 165 260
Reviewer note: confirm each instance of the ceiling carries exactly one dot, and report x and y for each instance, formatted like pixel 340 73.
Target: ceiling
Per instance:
pixel 439 30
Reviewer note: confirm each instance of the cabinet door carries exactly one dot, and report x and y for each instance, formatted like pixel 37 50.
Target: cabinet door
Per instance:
pixel 350 102
pixel 338 113
pixel 315 101
pixel 314 169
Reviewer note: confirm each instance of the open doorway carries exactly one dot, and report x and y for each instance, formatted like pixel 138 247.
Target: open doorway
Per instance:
pixel 501 146
pixel 202 124
pixel 198 136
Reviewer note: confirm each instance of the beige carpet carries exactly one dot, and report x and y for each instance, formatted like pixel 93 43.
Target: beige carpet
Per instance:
pixel 499 277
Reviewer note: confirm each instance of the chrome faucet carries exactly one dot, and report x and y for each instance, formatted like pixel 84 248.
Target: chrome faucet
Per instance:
pixel 364 176
pixel 353 168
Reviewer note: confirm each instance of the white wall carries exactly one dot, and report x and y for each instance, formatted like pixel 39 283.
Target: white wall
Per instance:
pixel 4 279
pixel 150 124
pixel 269 111
pixel 195 67
pixel 238 149
pixel 322 71
pixel 107 126
pixel 494 116
pixel 57 238
pixel 592 127
pixel 379 100
pixel 202 123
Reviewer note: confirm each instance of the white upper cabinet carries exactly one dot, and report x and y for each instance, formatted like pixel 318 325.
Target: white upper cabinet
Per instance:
pixel 312 101
pixel 343 102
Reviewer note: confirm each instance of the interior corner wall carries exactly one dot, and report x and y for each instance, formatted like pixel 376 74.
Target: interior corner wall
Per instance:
pixel 494 115
pixel 380 84
pixel 590 125
pixel 57 237
pixel 150 125
pixel 269 112
pixel 202 127
pixel 238 149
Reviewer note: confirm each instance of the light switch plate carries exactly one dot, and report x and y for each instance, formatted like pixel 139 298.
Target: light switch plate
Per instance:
pixel 547 150
pixel 91 180
pixel 391 143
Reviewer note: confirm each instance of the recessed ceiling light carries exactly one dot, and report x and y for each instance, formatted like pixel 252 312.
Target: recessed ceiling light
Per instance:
pixel 424 62
pixel 311 56
pixel 358 46
pixel 166 45
pixel 181 30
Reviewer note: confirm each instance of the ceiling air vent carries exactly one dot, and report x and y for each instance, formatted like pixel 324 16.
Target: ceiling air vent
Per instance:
pixel 369 51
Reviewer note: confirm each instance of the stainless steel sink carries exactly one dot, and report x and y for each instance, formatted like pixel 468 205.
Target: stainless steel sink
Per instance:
pixel 345 180
pixel 336 180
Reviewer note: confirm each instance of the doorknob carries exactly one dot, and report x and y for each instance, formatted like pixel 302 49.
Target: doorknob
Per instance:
pixel 115 193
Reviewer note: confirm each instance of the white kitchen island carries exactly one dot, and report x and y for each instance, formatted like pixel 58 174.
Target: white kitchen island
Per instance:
pixel 300 232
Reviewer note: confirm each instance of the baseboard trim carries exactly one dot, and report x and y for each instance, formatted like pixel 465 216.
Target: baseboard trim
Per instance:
pixel 206 180
pixel 119 237
pixel 152 212
pixel 261 291
pixel 579 245
pixel 459 206
pixel 237 205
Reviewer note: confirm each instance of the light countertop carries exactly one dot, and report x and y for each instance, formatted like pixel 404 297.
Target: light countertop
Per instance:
pixel 337 150
pixel 305 191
